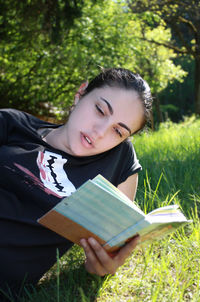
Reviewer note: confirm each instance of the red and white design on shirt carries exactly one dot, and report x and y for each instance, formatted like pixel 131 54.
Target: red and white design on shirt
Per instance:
pixel 52 173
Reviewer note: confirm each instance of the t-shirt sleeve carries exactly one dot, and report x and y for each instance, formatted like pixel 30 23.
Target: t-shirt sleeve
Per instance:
pixel 130 164
pixel 11 120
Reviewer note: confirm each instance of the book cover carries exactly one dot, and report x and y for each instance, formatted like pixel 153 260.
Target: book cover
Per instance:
pixel 98 209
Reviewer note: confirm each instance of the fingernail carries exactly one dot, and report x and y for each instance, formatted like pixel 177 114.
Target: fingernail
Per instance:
pixel 92 241
pixel 83 242
pixel 138 239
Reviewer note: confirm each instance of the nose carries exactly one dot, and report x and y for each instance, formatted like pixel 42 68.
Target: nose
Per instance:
pixel 100 129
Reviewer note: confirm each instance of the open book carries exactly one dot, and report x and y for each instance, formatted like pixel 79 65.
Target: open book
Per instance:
pixel 98 209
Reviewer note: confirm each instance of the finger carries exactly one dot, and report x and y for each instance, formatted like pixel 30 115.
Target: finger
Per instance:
pixel 126 251
pixel 92 263
pixel 106 261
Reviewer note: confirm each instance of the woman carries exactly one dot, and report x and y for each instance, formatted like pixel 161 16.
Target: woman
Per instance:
pixel 42 162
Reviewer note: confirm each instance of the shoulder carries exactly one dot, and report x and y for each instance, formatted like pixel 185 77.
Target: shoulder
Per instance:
pixel 128 160
pixel 127 149
pixel 17 117
pixel 14 115
pixel 15 122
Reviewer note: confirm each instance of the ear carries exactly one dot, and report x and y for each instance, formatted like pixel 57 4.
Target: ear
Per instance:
pixel 80 92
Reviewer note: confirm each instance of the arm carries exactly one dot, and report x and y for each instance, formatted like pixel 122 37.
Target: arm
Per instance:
pixel 98 260
pixel 129 186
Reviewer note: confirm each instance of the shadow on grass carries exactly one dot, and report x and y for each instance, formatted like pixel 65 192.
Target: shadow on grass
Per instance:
pixel 67 281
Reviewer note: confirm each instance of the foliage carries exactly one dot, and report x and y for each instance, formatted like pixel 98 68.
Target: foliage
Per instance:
pixel 41 74
pixel 182 17
pixel 180 95
pixel 24 20
pixel 156 62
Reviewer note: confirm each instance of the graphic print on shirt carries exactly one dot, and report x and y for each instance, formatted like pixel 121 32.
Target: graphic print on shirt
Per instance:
pixel 32 179
pixel 52 173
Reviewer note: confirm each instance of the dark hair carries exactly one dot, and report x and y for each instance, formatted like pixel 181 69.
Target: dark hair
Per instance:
pixel 124 78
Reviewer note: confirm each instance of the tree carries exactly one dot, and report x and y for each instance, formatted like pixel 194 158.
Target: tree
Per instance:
pixel 31 18
pixel 182 17
pixel 158 66
pixel 31 34
pixel 40 75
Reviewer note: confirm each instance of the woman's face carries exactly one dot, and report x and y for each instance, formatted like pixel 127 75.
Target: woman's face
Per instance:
pixel 101 120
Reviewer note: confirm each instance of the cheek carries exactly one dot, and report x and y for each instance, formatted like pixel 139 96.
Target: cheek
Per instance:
pixel 82 120
pixel 85 113
pixel 136 122
pixel 77 115
pixel 111 140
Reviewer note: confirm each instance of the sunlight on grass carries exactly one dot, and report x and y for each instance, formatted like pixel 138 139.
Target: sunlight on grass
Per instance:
pixel 174 152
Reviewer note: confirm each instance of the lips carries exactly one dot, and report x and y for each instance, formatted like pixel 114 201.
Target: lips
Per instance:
pixel 86 140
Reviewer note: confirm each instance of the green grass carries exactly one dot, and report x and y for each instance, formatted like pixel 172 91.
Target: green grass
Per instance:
pixel 172 154
pixel 167 270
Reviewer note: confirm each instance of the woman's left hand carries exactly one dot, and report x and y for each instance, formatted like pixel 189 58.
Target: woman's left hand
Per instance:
pixel 99 262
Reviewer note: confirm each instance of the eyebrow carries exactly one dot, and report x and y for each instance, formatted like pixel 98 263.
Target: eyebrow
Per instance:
pixel 111 112
pixel 108 104
pixel 126 127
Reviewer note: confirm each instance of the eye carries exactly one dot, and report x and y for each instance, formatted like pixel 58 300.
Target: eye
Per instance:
pixel 99 109
pixel 118 132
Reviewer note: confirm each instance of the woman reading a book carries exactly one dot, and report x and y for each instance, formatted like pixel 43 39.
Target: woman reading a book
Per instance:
pixel 42 162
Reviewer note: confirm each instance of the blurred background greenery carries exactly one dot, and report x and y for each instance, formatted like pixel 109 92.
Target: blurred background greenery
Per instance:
pixel 48 47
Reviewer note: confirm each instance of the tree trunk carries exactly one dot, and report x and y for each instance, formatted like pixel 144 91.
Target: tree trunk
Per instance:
pixel 158 109
pixel 152 122
pixel 197 85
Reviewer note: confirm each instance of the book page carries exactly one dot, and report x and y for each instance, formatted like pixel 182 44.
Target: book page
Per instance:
pixel 166 214
pixel 156 224
pixel 157 231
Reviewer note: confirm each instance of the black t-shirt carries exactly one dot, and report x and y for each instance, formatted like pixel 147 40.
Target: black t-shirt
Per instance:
pixel 34 177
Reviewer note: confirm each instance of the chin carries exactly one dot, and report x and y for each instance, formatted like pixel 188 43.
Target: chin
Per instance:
pixel 83 154
pixel 78 153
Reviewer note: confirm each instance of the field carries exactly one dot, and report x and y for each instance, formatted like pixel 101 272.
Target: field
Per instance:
pixel 167 270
